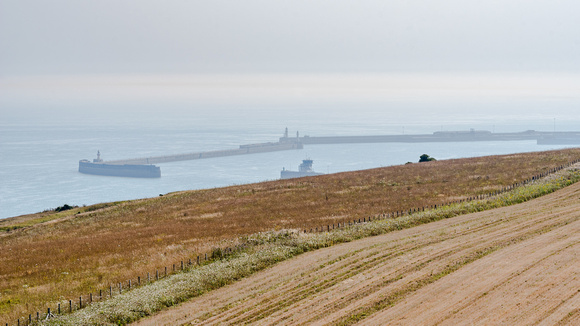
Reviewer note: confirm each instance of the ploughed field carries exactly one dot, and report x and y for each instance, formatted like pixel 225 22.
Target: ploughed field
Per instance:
pixel 54 256
pixel 515 265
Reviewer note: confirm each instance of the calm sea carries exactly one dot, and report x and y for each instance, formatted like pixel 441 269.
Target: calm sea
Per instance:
pixel 39 153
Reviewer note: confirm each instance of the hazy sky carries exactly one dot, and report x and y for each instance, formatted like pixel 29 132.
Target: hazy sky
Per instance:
pixel 300 36
pixel 59 56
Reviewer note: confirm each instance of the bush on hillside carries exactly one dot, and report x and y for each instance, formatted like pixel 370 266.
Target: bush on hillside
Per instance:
pixel 426 158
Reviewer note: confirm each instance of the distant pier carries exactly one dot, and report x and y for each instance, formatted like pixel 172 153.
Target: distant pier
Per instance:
pixel 289 143
pixel 242 150
pixel 542 138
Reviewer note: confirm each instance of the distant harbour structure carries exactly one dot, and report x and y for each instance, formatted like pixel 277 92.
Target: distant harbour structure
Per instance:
pixel 98 159
pixel 143 167
pixel 287 139
pixel 304 170
pixel 98 167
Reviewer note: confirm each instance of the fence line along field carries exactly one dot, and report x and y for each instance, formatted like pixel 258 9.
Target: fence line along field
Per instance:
pixel 51 256
pixel 516 265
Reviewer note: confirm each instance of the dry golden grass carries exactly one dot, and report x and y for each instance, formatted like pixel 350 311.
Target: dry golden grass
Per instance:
pixel 55 257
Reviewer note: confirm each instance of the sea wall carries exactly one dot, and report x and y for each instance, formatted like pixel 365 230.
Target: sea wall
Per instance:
pixel 242 150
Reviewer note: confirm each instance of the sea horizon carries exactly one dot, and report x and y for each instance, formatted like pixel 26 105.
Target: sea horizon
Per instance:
pixel 52 123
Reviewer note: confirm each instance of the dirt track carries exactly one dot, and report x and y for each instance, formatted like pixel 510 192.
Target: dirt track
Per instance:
pixel 517 265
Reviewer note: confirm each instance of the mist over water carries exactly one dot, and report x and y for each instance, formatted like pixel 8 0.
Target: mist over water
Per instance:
pixel 43 138
pixel 49 124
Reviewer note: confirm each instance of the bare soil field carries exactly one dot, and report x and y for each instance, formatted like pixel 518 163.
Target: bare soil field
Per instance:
pixel 516 265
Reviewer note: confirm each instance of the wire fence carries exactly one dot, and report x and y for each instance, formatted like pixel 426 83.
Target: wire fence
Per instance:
pixel 218 253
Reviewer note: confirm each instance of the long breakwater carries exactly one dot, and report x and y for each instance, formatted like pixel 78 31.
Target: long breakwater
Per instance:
pixel 242 150
pixel 289 143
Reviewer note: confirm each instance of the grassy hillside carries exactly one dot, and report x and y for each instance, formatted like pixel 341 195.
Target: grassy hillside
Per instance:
pixel 514 265
pixel 48 257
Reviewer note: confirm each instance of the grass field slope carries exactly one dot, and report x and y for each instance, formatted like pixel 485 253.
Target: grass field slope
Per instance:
pixel 515 265
pixel 53 257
